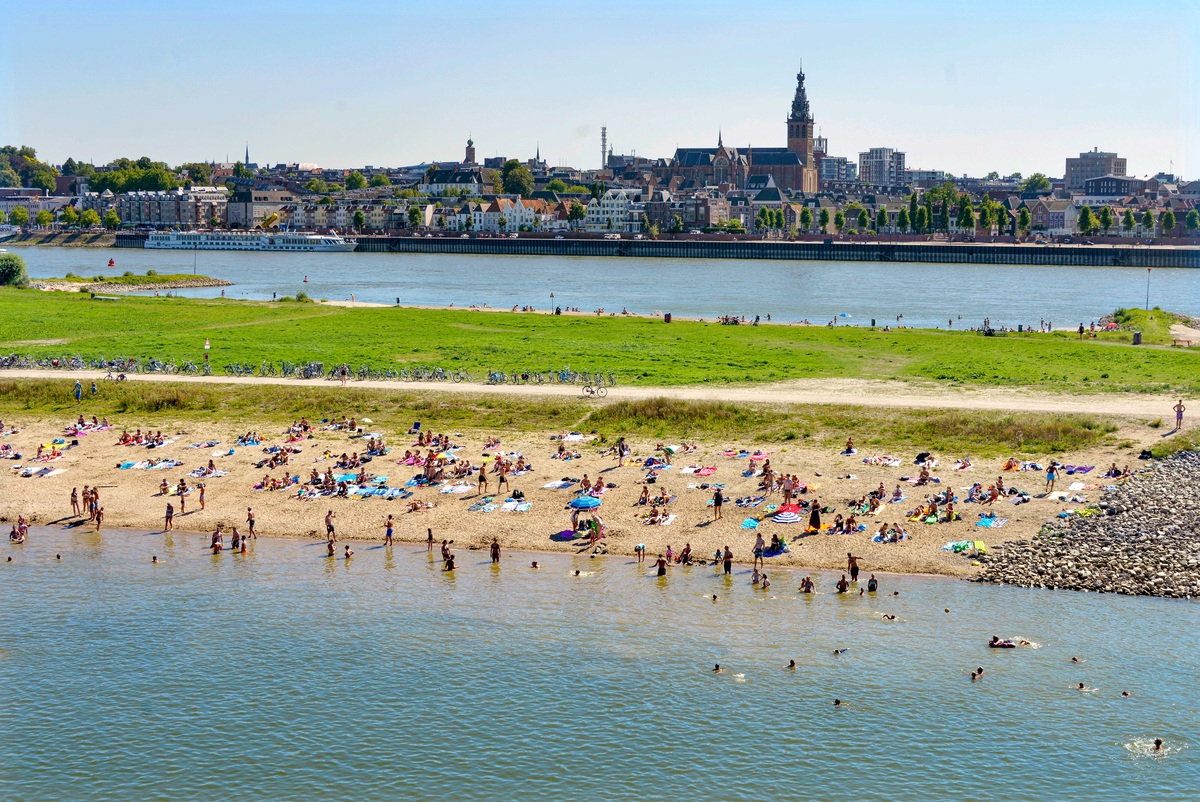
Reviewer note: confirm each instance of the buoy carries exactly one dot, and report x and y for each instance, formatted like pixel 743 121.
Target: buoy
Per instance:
pixel 306 279
pixel 112 262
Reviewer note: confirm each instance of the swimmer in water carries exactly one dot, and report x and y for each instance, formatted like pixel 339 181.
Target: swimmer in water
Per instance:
pixel 838 703
pixel 717 669
pixel 576 572
pixel 889 617
pixel 836 652
pixel 714 598
pixel 533 564
pixel 979 671
pixel 1076 660
pixel 806 586
pixel 1158 744
pixel 349 551
pixel 791 665
pixel 974 676
pixel 766 583
pixel 1125 694
pixel 872 584
pixel 154 559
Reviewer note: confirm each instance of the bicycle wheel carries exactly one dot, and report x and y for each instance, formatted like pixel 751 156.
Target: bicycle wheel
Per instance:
pixel 601 391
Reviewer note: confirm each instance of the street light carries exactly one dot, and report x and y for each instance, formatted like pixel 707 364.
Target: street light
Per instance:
pixel 1148 289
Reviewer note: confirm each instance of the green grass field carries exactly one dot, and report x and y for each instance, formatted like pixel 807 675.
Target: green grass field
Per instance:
pixel 979 433
pixel 636 350
pixel 126 279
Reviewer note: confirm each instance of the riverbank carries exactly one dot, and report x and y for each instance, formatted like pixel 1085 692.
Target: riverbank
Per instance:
pixel 635 350
pixel 834 481
pixel 127 283
pixel 63 239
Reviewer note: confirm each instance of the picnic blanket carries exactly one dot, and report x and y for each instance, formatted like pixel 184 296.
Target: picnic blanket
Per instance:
pixel 562 484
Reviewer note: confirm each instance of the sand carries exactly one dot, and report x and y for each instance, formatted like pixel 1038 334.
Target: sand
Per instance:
pixel 131 497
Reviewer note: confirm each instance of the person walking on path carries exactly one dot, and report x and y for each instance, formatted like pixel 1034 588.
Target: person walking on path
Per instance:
pixel 78 391
pixel 1179 410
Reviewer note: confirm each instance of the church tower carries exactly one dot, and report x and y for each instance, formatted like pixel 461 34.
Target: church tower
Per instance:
pixel 800 136
pixel 469 156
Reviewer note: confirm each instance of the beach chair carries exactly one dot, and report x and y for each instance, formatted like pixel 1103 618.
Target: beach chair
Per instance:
pixel 416 428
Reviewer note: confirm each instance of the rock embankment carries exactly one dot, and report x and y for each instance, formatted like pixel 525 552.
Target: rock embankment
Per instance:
pixel 1144 541
pixel 112 287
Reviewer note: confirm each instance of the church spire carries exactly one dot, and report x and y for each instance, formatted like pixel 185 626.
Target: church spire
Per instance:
pixel 720 143
pixel 800 110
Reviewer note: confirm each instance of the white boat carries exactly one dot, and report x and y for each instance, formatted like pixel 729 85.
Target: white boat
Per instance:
pixel 249 241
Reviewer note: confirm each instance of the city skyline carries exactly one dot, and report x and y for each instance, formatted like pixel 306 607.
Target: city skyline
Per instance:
pixel 301 82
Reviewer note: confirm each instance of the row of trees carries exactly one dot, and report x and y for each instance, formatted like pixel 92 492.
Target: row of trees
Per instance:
pixel 70 217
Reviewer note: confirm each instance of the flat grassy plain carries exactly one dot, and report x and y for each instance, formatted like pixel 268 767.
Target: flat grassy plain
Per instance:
pixel 637 350
pixel 982 433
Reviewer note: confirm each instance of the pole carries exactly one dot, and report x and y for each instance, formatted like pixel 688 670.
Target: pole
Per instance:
pixel 195 256
pixel 1148 289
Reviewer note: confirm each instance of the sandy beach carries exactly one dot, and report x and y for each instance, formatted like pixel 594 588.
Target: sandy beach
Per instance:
pixel 131 496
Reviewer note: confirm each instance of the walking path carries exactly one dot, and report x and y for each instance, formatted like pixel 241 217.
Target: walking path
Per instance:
pixel 871 393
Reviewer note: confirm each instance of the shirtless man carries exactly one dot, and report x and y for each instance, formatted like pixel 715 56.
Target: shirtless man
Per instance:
pixel 329 530
pixel 852 566
pixel 495 551
pixel 1179 410
pixel 843 585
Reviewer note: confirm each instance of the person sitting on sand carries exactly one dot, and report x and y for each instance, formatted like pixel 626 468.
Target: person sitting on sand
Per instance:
pixel 838 526
pixel 851 525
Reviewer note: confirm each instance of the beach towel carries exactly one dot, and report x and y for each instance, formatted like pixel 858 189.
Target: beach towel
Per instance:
pixel 992 523
pixel 456 489
pixel 709 471
pixel 559 485
pixel 750 523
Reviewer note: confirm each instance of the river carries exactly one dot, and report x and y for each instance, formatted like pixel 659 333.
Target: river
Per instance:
pixel 928 295
pixel 282 674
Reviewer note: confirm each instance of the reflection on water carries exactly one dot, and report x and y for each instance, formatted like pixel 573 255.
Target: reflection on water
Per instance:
pixel 284 674
pixel 925 294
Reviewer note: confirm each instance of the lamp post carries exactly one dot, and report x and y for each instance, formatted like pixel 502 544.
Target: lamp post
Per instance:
pixel 1148 289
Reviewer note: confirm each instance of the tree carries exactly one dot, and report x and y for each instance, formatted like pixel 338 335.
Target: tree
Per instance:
pixel 576 213
pixel 1087 221
pixel 414 216
pixel 380 180
pixel 1127 221
pixel 823 220
pixel 316 186
pixel 780 219
pixel 577 189
pixel 806 218
pixel 928 213
pixel 556 185
pixel 69 166
pixel 676 226
pixel 1148 222
pixel 1192 222
pixel 902 219
pixel 944 217
pixel 922 221
pixel 44 218
pixel 863 219
pixel 503 222
pixel 69 216
pixel 19 216
pixel 1036 183
pixel 239 170
pixel 12 270
pixel 985 216
pixel 1106 218
pixel 355 180
pixel 8 176
pixel 644 222
pixel 360 220
pixel 1022 220
pixel 516 179
pixel 112 219
pixel 733 226
pixel 609 224
pixel 839 221
pixel 1168 222
pixel 90 218
pixel 992 176
pixel 3 217
pixel 198 172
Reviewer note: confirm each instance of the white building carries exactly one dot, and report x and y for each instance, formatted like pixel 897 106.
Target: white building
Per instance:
pixel 613 211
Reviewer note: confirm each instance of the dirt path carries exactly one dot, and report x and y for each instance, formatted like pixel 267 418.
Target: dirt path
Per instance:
pixel 869 393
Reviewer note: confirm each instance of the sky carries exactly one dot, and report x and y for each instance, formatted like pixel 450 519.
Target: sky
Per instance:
pixel 1010 86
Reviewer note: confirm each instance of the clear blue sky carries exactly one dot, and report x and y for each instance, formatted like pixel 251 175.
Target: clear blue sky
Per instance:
pixel 964 87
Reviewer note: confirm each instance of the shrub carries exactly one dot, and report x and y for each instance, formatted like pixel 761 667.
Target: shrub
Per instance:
pixel 151 272
pixel 302 296
pixel 12 270
pixel 127 274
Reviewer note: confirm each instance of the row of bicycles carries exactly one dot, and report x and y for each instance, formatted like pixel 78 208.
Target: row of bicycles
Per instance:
pixel 592 384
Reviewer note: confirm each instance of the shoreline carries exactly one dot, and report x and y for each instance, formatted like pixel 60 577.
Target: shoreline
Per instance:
pixel 100 287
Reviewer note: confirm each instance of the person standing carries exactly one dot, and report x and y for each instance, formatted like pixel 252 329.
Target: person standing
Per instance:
pixel 201 497
pixel 429 541
pixel 852 566
pixel 75 511
pixel 99 518
pixel 1051 476
pixel 728 561
pixel 718 500
pixel 250 523
pixel 387 531
pixel 661 565
pixel 759 547
pixel 495 551
pixel 95 389
pixel 169 518
pixel 329 531
pixel 78 391
pixel 1179 410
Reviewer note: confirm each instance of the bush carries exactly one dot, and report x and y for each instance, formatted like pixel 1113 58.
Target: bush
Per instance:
pixel 128 274
pixel 12 270
pixel 151 272
pixel 302 296
pixel 74 277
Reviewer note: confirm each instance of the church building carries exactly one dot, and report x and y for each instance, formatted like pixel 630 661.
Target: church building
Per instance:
pixel 793 168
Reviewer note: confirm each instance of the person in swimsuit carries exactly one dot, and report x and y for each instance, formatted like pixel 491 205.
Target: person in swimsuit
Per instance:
pixel 759 547
pixel 717 669
pixel 429 541
pixel 329 531
pixel 728 561
pixel 1158 744
pixel 349 551
pixel 387 532
pixel 843 585
pixel 329 550
pixel 169 518
pixel 1179 410
pixel 791 665
pixel 872 584
pixel 250 523
pixel 718 499
pixel 806 585
pixel 495 551
pixel 661 564
pixel 852 566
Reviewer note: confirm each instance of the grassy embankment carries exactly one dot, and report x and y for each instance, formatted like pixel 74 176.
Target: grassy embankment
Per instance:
pixel 636 350
pixel 129 279
pixel 979 433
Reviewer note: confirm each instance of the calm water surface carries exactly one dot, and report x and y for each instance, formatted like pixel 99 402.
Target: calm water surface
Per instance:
pixel 926 294
pixel 284 675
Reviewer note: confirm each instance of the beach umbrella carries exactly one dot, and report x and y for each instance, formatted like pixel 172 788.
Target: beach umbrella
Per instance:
pixel 584 503
pixel 787 518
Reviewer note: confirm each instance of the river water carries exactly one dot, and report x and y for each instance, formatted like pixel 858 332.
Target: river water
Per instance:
pixel 925 294
pixel 285 675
